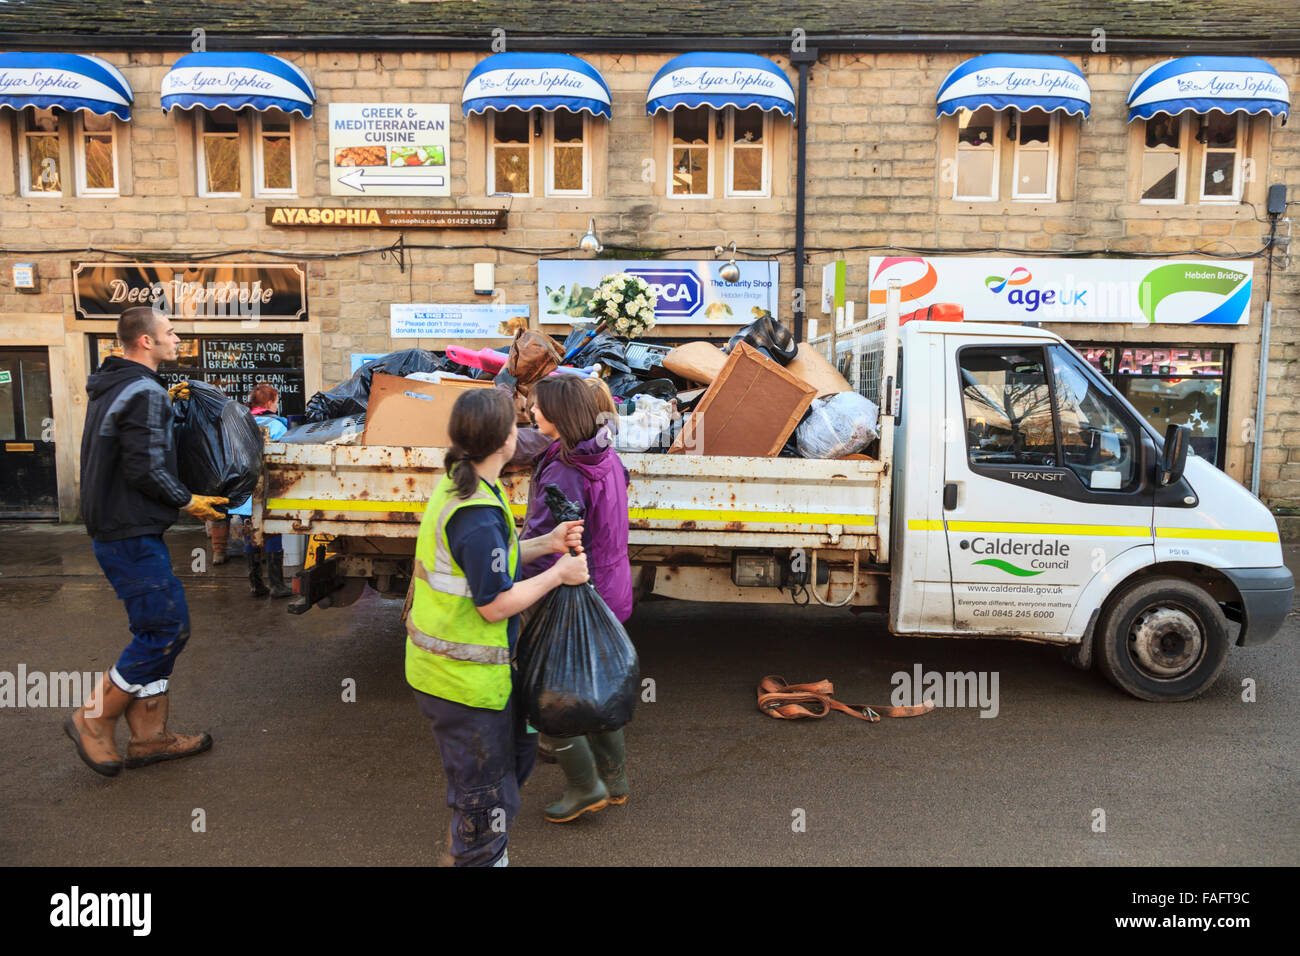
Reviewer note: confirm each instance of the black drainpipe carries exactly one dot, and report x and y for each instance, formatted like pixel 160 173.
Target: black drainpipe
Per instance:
pixel 803 59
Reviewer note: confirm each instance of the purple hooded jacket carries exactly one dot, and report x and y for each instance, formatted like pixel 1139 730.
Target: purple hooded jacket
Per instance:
pixel 598 479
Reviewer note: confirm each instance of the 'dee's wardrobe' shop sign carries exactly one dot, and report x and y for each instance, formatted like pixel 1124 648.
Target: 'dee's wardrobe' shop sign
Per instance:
pixel 217 291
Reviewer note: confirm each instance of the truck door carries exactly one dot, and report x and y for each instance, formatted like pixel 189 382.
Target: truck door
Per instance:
pixel 1045 483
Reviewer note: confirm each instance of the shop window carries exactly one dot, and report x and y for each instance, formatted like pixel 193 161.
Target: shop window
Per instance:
pixel 1172 385
pixel 691 153
pixel 96 155
pixel 273 164
pixel 1034 135
pixel 748 135
pixel 232 363
pixel 1212 145
pixel 218 159
pixel 39 155
pixel 978 146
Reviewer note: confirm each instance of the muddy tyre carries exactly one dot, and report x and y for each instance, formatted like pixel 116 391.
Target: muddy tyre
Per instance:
pixel 1162 640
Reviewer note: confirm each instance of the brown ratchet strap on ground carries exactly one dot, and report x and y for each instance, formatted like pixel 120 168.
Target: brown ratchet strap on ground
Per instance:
pixel 785 701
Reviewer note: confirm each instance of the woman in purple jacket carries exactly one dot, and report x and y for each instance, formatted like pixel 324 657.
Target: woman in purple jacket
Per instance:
pixel 582 462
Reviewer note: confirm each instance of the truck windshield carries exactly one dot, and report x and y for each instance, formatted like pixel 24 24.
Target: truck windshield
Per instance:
pixel 1096 443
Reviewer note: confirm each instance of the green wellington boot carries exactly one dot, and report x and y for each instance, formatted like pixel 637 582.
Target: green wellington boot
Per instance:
pixel 583 790
pixel 611 763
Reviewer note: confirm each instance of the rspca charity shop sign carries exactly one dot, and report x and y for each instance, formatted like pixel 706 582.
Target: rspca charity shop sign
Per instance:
pixel 390 149
pixel 688 291
pixel 475 321
pixel 1135 291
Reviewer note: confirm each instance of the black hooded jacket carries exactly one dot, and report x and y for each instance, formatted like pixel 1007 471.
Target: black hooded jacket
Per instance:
pixel 128 458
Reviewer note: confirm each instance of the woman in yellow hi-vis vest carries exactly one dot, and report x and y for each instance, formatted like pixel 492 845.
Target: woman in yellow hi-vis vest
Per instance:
pixel 463 627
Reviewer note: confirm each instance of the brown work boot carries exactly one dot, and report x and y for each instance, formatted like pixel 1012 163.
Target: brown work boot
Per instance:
pixel 91 727
pixel 220 540
pixel 151 741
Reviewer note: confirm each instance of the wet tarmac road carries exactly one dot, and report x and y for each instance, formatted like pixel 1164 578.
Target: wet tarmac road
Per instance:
pixel 299 776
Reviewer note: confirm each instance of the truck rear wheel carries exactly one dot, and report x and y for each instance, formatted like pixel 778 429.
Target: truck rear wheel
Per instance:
pixel 1162 640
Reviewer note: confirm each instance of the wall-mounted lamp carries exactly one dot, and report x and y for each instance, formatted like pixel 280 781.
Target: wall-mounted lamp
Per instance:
pixel 589 242
pixel 730 272
pixel 1011 124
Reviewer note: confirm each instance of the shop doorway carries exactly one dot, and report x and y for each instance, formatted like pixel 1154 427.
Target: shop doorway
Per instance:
pixel 1173 385
pixel 29 484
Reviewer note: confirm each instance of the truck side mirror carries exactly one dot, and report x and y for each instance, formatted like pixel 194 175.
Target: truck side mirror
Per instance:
pixel 1177 440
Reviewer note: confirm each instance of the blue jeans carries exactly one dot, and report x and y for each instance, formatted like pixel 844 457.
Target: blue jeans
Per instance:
pixel 140 570
pixel 271 544
pixel 486 756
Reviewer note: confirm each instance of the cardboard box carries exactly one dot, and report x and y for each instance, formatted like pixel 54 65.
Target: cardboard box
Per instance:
pixel 750 410
pixel 406 411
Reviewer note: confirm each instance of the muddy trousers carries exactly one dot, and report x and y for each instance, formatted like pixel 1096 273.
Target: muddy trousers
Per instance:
pixel 486 756
pixel 140 570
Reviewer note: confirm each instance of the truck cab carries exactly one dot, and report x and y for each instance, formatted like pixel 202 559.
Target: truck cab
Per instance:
pixel 1032 501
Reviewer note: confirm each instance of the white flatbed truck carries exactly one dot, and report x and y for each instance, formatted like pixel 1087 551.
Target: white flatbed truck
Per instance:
pixel 1015 495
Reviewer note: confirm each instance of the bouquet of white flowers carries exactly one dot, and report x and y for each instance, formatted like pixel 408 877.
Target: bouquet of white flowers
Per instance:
pixel 623 304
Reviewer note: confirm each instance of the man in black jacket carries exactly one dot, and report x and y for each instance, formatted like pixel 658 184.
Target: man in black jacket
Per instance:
pixel 129 496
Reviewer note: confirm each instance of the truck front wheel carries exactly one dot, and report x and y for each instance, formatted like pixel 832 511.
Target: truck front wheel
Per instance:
pixel 1162 640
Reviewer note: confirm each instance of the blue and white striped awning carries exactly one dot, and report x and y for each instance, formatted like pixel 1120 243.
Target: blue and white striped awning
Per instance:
pixel 70 81
pixel 1200 84
pixel 525 81
pixel 1022 80
pixel 718 80
pixel 237 80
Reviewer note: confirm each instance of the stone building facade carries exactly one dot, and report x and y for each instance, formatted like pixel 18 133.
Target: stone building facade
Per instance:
pixel 879 182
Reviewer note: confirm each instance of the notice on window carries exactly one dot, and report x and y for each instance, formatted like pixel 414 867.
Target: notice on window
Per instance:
pixel 390 149
pixel 477 321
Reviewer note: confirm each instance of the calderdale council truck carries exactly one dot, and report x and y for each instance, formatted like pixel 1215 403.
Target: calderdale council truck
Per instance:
pixel 1015 495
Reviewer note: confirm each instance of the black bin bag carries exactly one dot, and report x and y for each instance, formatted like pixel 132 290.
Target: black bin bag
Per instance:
pixel 352 397
pixel 578 669
pixel 218 445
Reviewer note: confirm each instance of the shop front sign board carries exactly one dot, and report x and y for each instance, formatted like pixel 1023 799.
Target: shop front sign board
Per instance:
pixel 1133 291
pixel 190 291
pixel 474 321
pixel 390 149
pixel 385 217
pixel 689 292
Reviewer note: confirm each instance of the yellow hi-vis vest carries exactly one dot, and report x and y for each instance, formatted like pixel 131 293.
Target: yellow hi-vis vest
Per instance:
pixel 451 651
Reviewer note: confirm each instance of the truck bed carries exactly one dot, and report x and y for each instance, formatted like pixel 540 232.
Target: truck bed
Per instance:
pixel 673 500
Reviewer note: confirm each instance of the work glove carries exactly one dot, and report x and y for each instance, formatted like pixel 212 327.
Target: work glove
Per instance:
pixel 179 391
pixel 201 507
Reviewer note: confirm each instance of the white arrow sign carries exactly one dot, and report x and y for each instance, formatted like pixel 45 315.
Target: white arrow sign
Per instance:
pixel 359 179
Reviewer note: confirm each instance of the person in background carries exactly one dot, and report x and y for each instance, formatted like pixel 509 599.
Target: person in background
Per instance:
pixel 463 625
pixel 605 405
pixel 219 537
pixel 264 402
pixel 582 462
pixel 130 494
